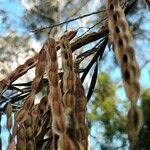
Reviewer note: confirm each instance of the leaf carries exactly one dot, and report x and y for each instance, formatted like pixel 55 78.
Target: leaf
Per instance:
pixel 93 82
pixel 100 52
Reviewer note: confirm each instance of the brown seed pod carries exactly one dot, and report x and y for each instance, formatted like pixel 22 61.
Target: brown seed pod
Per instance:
pixel 19 71
pixel 69 99
pixel 54 96
pixel 21 138
pixel 30 145
pixel 29 101
pixel 65 143
pixel 82 101
pixel 123 44
pixel 9 118
pixel 29 132
pixel 39 119
pixel 133 125
pixel 81 126
pixel 21 116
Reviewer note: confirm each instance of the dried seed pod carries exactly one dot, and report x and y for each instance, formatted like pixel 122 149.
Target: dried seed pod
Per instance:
pixel 21 138
pixel 134 125
pixel 11 142
pixel 54 96
pixel 69 79
pixel 65 143
pixel 20 70
pixel 21 116
pixel 9 118
pixel 29 101
pixel 30 139
pixel 123 44
pixel 42 117
pixel 68 76
pixel 43 130
pixel 81 127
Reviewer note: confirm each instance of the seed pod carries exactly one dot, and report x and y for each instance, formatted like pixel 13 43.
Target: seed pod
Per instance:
pixel 21 138
pixel 123 44
pixel 9 118
pixel 30 139
pixel 65 143
pixel 54 96
pixel 21 116
pixel 81 127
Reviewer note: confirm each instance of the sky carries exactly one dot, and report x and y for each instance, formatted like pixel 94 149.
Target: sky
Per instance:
pixel 16 11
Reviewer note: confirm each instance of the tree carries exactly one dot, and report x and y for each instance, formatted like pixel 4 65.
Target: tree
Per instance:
pixel 104 112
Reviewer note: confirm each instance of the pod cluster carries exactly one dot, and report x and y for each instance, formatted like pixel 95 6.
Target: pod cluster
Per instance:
pixel 122 40
pixel 60 114
pixel 55 98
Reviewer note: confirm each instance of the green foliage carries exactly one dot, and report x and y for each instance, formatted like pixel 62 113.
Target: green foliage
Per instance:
pixel 144 136
pixel 104 109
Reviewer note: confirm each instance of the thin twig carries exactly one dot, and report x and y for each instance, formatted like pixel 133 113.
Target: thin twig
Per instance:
pixel 70 20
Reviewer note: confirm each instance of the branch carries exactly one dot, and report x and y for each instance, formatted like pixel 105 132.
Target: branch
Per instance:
pixel 66 22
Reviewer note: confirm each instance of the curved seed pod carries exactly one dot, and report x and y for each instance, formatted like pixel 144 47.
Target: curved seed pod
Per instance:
pixel 68 77
pixel 9 118
pixel 20 70
pixel 134 125
pixel 123 44
pixel 21 116
pixel 81 127
pixel 30 140
pixel 41 120
pixel 54 96
pixel 11 142
pixel 39 127
pixel 21 138
pixel 65 143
